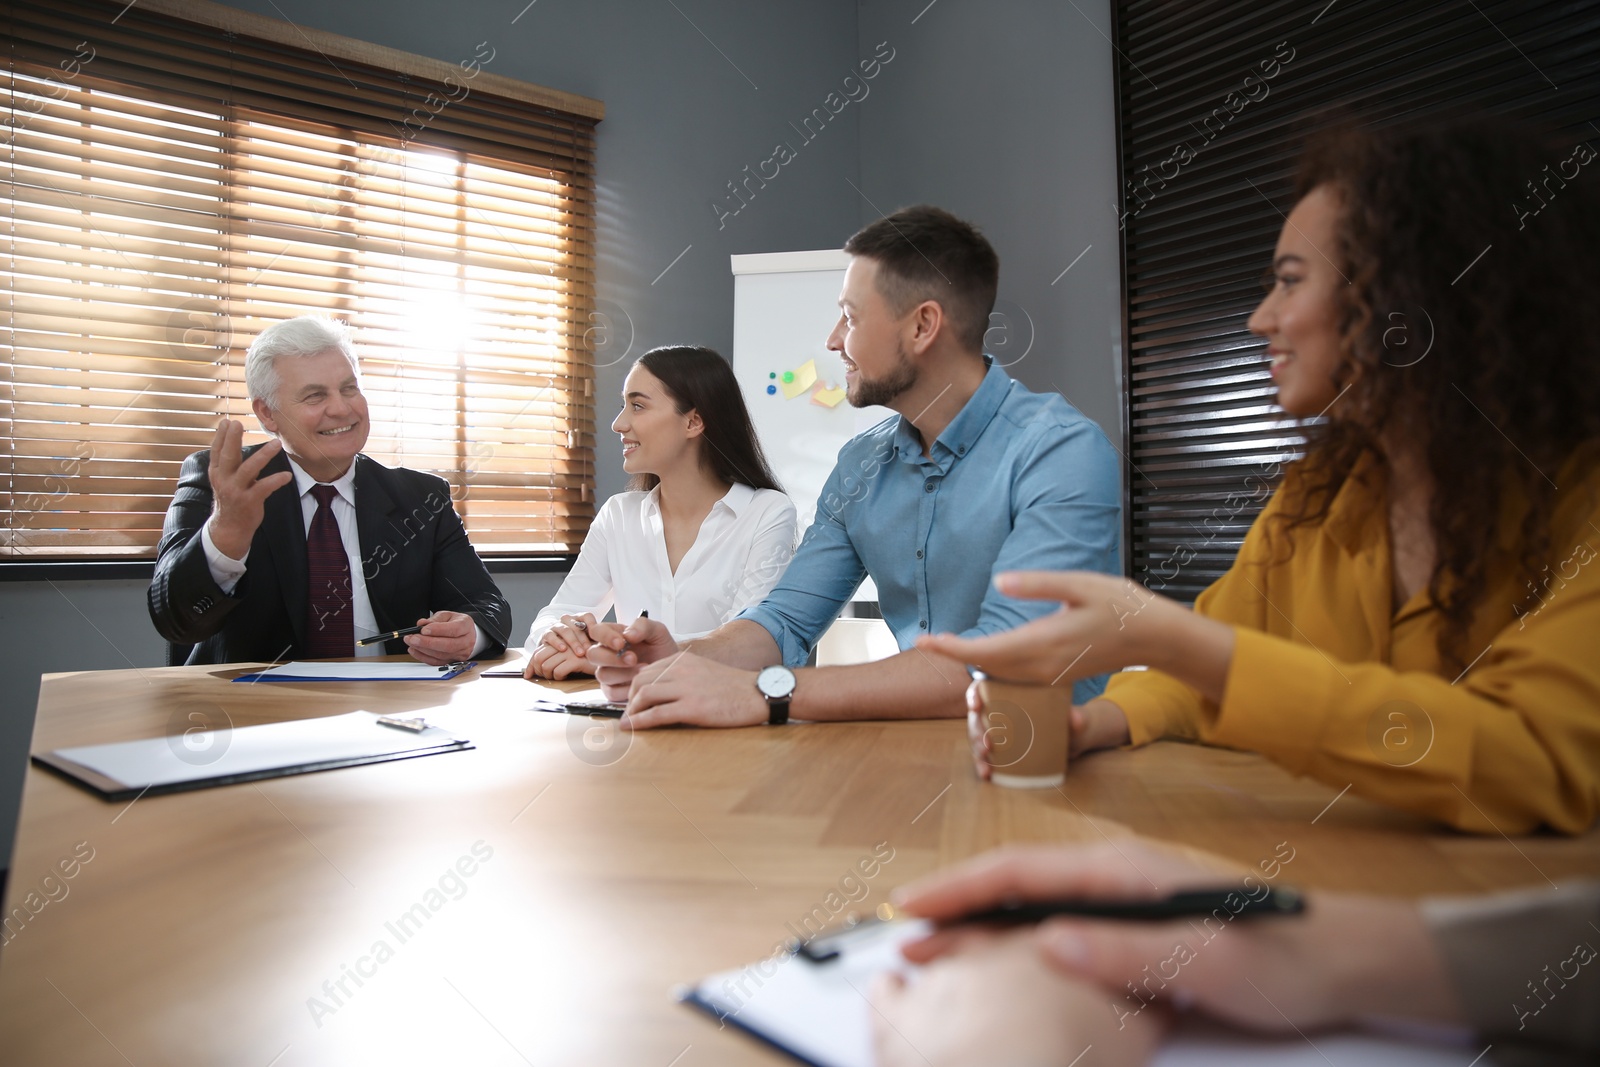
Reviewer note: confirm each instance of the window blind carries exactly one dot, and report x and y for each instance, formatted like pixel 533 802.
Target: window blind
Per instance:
pixel 1214 99
pixel 174 186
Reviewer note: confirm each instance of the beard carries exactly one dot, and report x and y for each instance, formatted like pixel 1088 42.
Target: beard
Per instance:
pixel 869 392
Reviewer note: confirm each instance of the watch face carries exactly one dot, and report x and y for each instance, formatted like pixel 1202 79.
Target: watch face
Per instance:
pixel 775 683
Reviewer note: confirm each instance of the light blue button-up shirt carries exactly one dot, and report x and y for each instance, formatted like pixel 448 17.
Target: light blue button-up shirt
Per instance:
pixel 1018 481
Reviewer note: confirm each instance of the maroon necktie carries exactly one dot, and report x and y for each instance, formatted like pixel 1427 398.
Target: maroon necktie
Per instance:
pixel 330 622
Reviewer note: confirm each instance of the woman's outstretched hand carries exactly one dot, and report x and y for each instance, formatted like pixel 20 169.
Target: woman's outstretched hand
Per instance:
pixel 1104 624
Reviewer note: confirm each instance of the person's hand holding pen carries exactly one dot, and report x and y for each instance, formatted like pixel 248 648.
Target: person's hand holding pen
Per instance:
pixel 443 637
pixel 985 995
pixel 618 652
pixel 1348 958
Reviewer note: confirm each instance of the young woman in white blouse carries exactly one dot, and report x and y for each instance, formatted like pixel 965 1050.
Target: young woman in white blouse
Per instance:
pixel 704 530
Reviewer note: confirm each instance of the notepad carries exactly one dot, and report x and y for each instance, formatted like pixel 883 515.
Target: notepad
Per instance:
pixel 204 758
pixel 818 1014
pixel 358 671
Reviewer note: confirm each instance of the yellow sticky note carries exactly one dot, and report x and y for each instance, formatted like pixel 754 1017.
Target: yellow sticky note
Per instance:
pixel 828 398
pixel 804 376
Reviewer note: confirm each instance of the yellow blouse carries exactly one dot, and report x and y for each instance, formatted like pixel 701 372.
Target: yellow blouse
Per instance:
pixel 1331 683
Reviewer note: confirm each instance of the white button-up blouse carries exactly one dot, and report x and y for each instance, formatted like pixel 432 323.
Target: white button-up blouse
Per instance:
pixel 743 547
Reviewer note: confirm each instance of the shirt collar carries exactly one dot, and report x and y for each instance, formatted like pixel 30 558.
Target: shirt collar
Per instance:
pixel 737 496
pixel 965 429
pixel 734 499
pixel 1354 516
pixel 345 484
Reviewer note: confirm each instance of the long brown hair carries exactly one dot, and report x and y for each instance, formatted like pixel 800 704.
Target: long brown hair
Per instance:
pixel 698 379
pixel 1472 242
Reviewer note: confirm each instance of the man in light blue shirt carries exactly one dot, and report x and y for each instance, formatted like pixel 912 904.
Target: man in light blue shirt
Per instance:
pixel 1017 481
pixel 977 475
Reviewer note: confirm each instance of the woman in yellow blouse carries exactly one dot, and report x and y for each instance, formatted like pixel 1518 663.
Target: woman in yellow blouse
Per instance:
pixel 1416 612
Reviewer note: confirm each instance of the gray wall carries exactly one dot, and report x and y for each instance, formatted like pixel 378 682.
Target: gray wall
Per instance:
pixel 1001 112
pixel 1004 113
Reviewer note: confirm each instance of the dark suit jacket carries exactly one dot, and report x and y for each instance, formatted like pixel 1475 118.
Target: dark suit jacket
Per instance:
pixel 414 551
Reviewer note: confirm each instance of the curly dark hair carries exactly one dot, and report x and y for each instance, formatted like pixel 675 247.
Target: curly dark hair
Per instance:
pixel 1515 336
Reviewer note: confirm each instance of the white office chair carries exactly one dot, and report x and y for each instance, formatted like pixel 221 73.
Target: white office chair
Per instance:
pixel 855 641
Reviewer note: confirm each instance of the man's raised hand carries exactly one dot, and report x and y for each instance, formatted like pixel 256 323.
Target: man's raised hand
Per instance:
pixel 237 488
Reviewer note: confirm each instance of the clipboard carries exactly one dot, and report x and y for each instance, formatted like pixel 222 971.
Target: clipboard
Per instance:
pixel 357 671
pixel 202 759
pixel 818 1014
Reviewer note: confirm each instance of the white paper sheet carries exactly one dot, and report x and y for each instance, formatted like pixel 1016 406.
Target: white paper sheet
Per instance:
pixel 358 671
pixel 218 753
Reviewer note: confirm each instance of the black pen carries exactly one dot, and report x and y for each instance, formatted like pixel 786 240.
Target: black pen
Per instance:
pixel 390 636
pixel 1231 903
pixel 626 648
pixel 1191 904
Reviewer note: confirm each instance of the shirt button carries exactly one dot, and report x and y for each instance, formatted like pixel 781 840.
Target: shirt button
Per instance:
pixel 961 451
pixel 919 553
pixel 928 485
pixel 923 623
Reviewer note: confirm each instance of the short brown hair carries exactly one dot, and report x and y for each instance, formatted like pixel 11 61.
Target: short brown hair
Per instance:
pixel 926 253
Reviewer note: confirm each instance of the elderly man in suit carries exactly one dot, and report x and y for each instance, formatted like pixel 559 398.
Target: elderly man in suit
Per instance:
pixel 297 548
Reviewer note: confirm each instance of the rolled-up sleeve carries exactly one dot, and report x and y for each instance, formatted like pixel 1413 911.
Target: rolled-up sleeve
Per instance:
pixel 825 571
pixel 1067 516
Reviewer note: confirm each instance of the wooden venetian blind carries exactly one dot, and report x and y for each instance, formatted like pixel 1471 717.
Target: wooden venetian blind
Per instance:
pixel 175 186
pixel 1214 100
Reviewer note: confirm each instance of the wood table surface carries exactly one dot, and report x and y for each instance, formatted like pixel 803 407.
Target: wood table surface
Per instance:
pixel 568 876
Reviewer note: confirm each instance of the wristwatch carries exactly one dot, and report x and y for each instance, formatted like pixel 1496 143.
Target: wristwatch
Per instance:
pixel 777 685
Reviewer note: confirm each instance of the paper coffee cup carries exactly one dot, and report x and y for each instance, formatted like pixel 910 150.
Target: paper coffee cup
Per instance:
pixel 1028 730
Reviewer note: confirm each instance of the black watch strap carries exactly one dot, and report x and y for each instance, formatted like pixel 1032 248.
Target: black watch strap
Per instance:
pixel 776 686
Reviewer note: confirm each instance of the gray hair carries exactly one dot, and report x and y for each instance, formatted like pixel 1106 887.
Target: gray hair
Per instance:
pixel 308 335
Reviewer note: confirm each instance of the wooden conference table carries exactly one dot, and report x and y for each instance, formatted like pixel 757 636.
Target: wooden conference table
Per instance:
pixel 603 871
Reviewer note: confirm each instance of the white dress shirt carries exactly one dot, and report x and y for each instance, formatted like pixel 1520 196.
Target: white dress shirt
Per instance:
pixel 743 546
pixel 226 571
